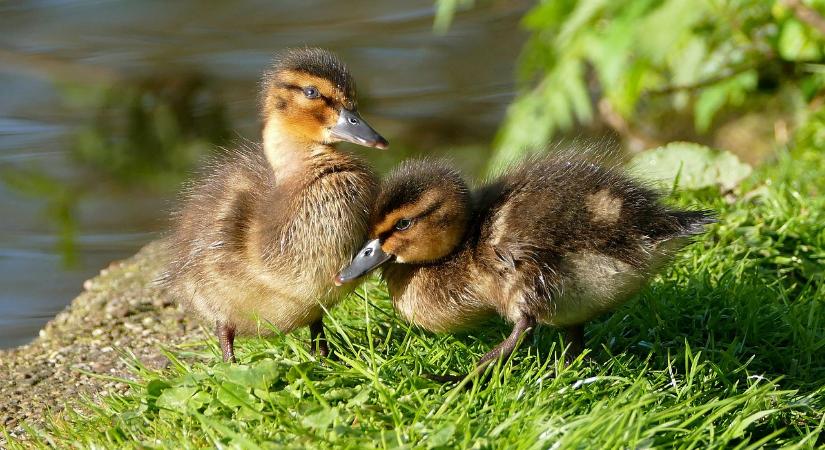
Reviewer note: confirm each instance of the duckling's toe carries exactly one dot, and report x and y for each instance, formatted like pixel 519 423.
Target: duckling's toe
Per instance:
pixel 448 379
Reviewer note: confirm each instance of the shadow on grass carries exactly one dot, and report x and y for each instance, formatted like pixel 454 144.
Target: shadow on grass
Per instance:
pixel 734 323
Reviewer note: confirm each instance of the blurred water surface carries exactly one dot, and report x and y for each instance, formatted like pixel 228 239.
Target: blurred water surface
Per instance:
pixel 104 104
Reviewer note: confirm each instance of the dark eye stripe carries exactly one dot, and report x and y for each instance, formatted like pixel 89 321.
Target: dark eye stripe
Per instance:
pixel 294 87
pixel 383 236
pixel 427 211
pixel 430 209
pixel 330 102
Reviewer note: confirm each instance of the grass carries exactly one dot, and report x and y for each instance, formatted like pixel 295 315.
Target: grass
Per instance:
pixel 724 349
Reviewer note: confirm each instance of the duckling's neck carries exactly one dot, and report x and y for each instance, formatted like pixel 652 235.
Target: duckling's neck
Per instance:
pixel 286 153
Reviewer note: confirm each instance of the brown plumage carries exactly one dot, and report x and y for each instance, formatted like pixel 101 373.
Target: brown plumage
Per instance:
pixel 262 234
pixel 555 240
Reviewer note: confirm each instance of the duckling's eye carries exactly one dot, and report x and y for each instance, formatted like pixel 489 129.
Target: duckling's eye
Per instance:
pixel 403 224
pixel 311 92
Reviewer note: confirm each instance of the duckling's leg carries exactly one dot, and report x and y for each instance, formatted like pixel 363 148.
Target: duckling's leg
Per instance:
pixel 226 336
pixel 523 326
pixel 318 339
pixel 575 341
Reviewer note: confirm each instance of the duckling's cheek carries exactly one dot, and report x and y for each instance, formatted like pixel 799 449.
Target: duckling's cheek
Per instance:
pixel 308 123
pixel 294 125
pixel 323 116
pixel 422 251
pixel 276 103
pixel 319 117
pixel 396 247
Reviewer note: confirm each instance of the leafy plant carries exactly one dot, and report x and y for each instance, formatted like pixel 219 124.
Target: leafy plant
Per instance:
pixel 630 61
pixel 687 165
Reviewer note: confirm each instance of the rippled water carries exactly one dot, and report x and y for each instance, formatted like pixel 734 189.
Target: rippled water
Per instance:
pixel 62 219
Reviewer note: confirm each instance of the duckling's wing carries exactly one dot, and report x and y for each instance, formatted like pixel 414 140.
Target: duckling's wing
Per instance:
pixel 551 207
pixel 216 211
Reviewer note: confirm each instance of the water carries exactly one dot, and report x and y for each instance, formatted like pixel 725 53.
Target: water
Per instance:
pixel 79 184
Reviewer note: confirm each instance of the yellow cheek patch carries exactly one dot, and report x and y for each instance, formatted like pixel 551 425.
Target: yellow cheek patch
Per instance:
pixel 604 207
pixel 420 246
pixel 304 123
pixel 437 247
pixel 393 245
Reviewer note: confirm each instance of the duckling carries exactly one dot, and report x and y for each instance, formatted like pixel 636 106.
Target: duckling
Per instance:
pixel 556 240
pixel 262 234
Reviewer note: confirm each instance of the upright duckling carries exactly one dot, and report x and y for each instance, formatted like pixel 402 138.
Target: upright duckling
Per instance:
pixel 556 240
pixel 263 233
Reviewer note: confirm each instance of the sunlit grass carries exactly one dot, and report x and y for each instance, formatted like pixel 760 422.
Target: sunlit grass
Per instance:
pixel 725 349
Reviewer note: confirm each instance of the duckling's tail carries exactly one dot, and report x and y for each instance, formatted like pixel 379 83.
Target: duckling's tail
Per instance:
pixel 692 223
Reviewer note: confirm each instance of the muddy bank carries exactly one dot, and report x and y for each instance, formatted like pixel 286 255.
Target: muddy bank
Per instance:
pixel 120 310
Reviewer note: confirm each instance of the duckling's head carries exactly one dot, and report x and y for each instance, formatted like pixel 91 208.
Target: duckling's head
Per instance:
pixel 420 217
pixel 308 97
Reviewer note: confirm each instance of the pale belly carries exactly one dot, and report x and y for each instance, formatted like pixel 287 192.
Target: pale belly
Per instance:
pixel 436 306
pixel 287 288
pixel 595 284
pixel 262 308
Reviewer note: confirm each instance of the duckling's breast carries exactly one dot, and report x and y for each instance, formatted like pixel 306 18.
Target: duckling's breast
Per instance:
pixel 438 298
pixel 327 225
pixel 256 249
pixel 320 231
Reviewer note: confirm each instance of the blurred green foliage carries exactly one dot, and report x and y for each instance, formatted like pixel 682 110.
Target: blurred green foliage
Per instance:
pixel 150 131
pixel 144 134
pixel 60 205
pixel 445 12
pixel 628 61
pixel 688 165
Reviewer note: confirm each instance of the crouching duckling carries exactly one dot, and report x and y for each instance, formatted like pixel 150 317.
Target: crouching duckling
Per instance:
pixel 555 240
pixel 263 233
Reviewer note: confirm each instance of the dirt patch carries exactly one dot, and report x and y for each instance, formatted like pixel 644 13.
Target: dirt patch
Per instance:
pixel 120 310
